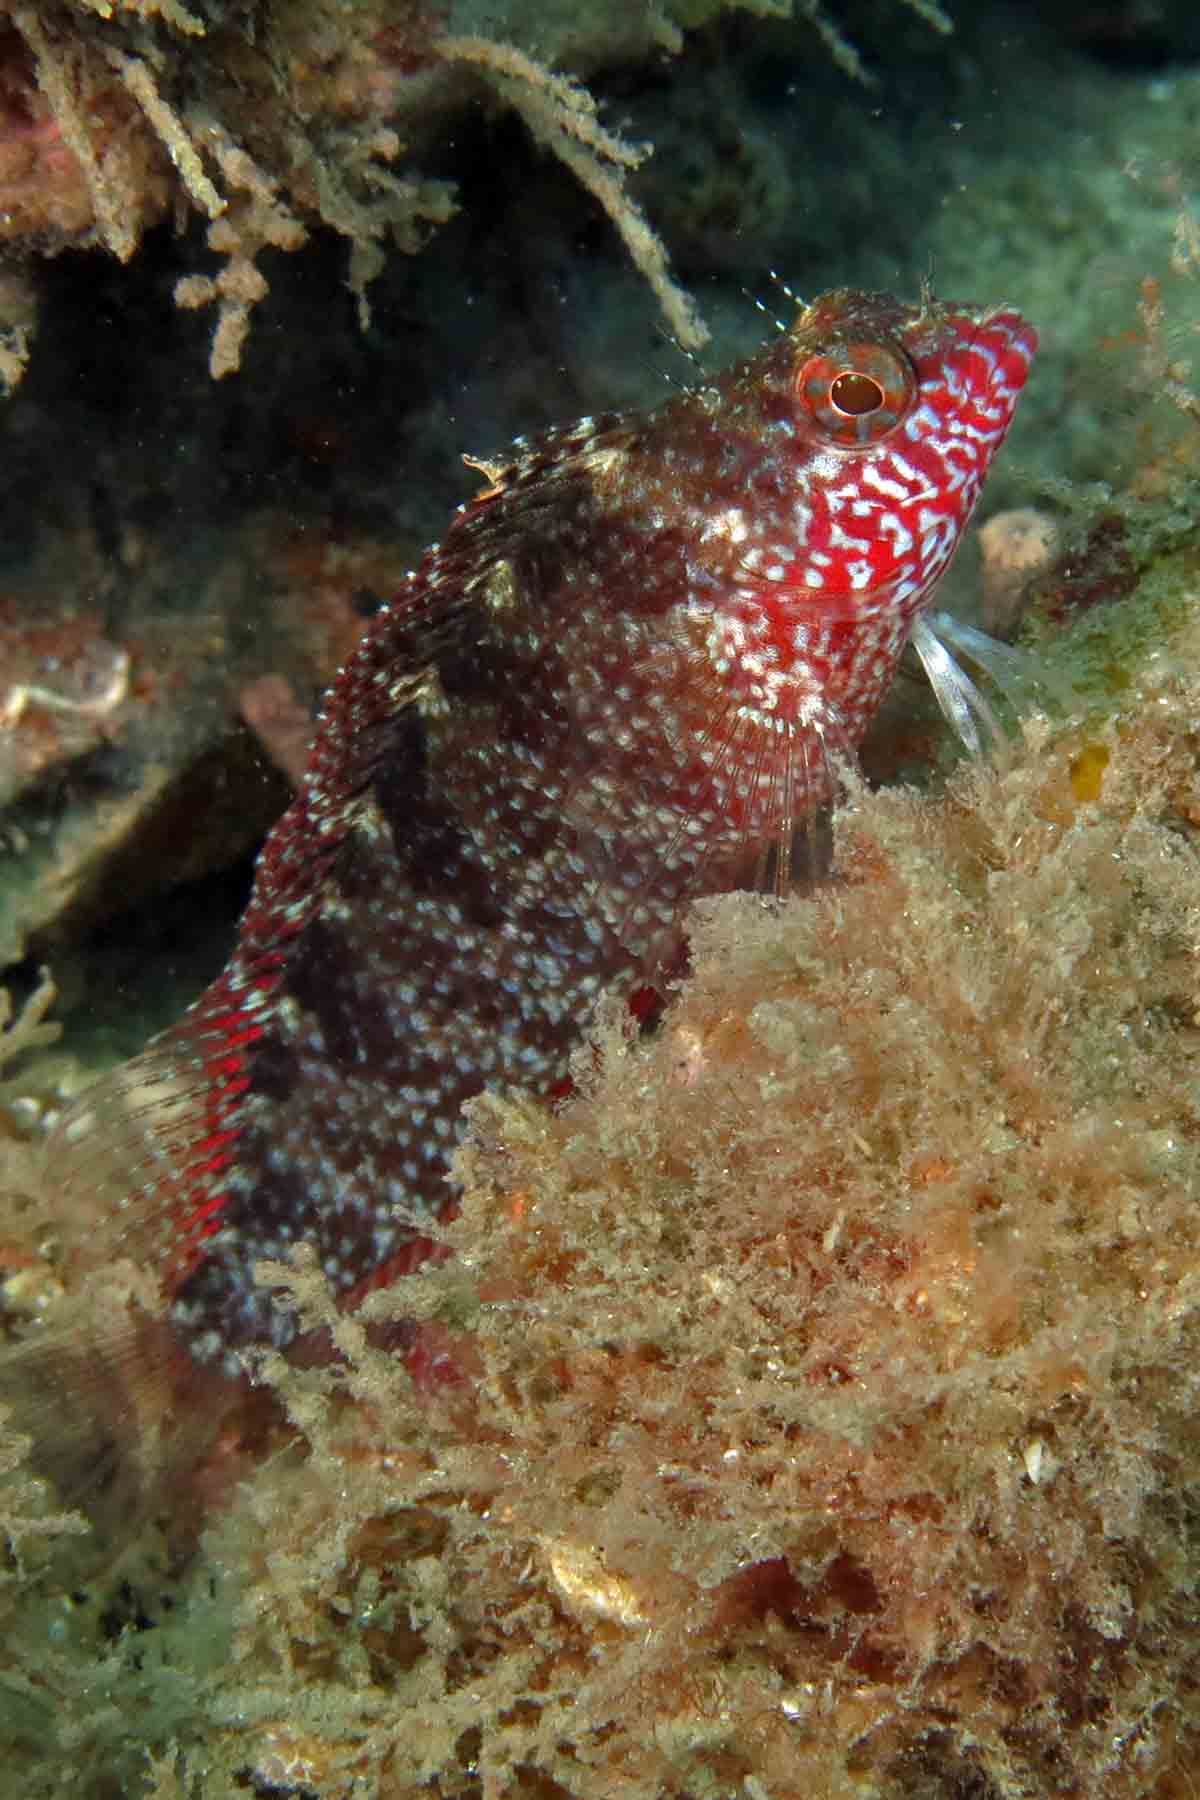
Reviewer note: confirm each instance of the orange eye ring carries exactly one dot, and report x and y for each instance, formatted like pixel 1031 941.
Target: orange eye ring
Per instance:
pixel 859 393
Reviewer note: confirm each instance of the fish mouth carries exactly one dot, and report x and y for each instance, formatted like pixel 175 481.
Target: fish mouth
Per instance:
pixel 1005 334
pixel 996 342
pixel 1005 321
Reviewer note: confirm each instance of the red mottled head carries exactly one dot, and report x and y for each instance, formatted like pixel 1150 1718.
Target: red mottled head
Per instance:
pixel 898 413
pixel 865 434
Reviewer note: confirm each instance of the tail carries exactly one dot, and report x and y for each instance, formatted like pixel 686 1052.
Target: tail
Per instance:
pixel 124 1423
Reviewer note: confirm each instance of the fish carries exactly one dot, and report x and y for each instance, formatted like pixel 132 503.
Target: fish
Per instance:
pixel 626 677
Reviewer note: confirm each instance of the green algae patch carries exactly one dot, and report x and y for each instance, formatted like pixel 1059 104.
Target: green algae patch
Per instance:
pixel 1118 642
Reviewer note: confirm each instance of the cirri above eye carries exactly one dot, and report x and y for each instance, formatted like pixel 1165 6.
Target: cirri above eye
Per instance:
pixel 859 393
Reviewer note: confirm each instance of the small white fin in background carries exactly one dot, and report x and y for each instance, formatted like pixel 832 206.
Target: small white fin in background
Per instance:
pixel 1016 674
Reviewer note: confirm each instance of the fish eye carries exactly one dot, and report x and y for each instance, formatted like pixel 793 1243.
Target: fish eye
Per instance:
pixel 855 394
pixel 859 394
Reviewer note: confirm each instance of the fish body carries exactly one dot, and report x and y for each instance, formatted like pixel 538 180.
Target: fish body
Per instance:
pixel 623 679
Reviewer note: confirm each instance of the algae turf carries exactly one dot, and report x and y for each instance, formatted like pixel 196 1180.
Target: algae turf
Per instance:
pixel 822 1419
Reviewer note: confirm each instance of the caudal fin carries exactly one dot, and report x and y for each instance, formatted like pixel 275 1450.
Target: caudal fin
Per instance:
pixel 123 1421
